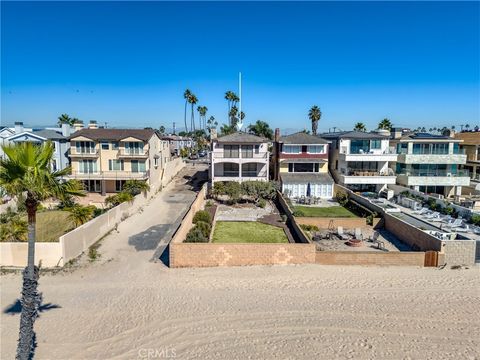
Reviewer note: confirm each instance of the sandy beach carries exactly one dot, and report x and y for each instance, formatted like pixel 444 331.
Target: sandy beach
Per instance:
pixel 285 312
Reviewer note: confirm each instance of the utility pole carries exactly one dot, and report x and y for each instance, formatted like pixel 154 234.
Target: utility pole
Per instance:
pixel 174 128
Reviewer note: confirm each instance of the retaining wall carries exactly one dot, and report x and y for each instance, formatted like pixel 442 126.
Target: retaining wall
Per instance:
pixel 460 252
pixel 49 254
pixel 370 258
pixel 323 223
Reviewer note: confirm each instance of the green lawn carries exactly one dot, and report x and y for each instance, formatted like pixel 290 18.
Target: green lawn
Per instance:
pixel 333 211
pixel 52 224
pixel 247 232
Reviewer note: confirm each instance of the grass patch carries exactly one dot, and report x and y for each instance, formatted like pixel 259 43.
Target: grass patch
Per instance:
pixel 52 224
pixel 247 232
pixel 332 211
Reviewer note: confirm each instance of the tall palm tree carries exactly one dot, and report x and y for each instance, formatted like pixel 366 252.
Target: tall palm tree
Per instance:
pixel 202 112
pixel 359 126
pixel 226 129
pixel 26 169
pixel 65 119
pixel 161 129
pixel 314 115
pixel 233 116
pixel 186 95
pixel 467 126
pixel 193 101
pixel 385 124
pixel 211 123
pixel 229 95
pixel 261 128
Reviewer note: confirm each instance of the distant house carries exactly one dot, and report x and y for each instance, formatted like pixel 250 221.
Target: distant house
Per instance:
pixel 301 165
pixel 58 137
pixel 104 159
pixel 360 160
pixel 239 157
pixel 177 143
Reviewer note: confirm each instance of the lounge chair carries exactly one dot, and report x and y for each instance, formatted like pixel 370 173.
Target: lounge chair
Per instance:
pixel 454 224
pixel 476 230
pixel 422 211
pixel 464 228
pixel 358 234
pixel 432 215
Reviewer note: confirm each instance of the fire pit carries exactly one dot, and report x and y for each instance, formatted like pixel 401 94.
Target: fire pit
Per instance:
pixel 354 242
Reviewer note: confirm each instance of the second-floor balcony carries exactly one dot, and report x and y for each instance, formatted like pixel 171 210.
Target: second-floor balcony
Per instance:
pixel 133 154
pixel 83 153
pixel 108 175
pixel 438 173
pixel 261 156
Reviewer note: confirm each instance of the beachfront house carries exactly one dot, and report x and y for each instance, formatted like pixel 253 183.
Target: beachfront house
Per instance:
pixel 431 164
pixel 238 157
pixel 301 165
pixel 104 159
pixel 360 160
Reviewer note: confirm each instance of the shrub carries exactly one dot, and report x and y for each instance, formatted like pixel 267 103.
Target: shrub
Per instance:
pixel 209 203
pixel 259 189
pixel 475 219
pixel 298 212
pixel 195 235
pixel 204 227
pixel 262 203
pixel 218 189
pixel 233 190
pixel 309 227
pixel 119 198
pixel 202 215
pixel 342 198
pixel 448 210
pixel 135 187
pixel 93 253
pixel 81 214
pixel 13 227
pixel 97 212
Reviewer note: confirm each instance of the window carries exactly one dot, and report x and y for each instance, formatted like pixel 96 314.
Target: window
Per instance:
pixel 119 185
pixel 105 145
pixel 257 149
pixel 138 166
pixel 87 166
pixel 54 165
pixel 230 169
pixel 155 161
pixel 230 151
pixel 115 145
pixel 115 165
pixel 134 147
pixel 92 185
pixel 292 149
pixel 249 169
pixel 304 167
pixel 247 151
pixel 316 149
pixel 376 144
pixel 85 147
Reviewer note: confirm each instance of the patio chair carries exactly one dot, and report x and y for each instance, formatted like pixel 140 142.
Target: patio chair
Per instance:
pixel 421 211
pixel 432 215
pixel 374 239
pixel 464 228
pixel 454 224
pixel 476 230
pixel 341 234
pixel 358 234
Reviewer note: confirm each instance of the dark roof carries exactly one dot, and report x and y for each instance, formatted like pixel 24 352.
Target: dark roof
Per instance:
pixel 305 178
pixel 426 136
pixel 114 134
pixel 241 137
pixel 353 135
pixel 49 134
pixel 300 138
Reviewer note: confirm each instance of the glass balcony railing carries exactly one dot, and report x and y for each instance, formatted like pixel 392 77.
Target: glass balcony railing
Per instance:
pixel 459 173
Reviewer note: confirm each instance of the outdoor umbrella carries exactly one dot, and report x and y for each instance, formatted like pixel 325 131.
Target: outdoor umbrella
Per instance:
pixel 309 190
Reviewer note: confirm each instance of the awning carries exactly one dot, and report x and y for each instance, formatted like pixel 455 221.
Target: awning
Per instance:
pixel 305 178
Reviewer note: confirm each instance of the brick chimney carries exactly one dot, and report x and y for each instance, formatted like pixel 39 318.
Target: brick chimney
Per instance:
pixel 18 127
pixel 93 124
pixel 277 135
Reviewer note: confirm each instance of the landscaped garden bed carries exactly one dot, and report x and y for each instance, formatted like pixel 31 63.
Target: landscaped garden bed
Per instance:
pixel 247 232
pixel 314 211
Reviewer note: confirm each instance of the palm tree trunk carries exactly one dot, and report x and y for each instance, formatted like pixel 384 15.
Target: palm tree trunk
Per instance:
pixel 185 117
pixel 193 119
pixel 31 299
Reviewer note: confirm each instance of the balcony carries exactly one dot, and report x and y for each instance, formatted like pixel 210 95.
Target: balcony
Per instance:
pixel 109 175
pixel 220 156
pixel 439 178
pixel 448 159
pixel 367 154
pixel 367 177
pixel 125 154
pixel 72 152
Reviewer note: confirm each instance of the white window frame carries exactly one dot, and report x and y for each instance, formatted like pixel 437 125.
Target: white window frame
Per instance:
pixel 291 149
pixel 309 147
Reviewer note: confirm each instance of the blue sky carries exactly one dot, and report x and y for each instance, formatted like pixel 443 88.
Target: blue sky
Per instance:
pixel 128 63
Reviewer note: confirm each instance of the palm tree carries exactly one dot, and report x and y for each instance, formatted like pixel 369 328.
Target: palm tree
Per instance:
pixel 26 169
pixel 79 214
pixel 385 124
pixel 226 129
pixel 13 227
pixel 467 126
pixel 314 115
pixel 136 187
pixel 161 129
pixel 65 119
pixel 233 116
pixel 192 100
pixel 359 126
pixel 202 112
pixel 186 95
pixel 211 123
pixel 261 128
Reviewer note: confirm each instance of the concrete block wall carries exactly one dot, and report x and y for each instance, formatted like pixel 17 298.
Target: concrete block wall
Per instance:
pixel 396 258
pixel 210 255
pixel 323 223
pixel 460 252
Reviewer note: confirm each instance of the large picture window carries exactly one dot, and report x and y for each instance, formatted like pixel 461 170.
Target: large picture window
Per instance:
pixel 85 147
pixel 247 151
pixel 249 170
pixel 230 169
pixel 138 166
pixel 230 151
pixel 292 149
pixel 115 165
pixel 316 149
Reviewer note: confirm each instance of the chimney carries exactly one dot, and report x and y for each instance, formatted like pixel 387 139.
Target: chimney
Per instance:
pixel 277 135
pixel 93 124
pixel 18 127
pixel 78 125
pixel 213 134
pixel 66 129
pixel 396 133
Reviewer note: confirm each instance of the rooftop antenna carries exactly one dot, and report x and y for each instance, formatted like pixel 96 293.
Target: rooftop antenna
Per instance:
pixel 240 121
